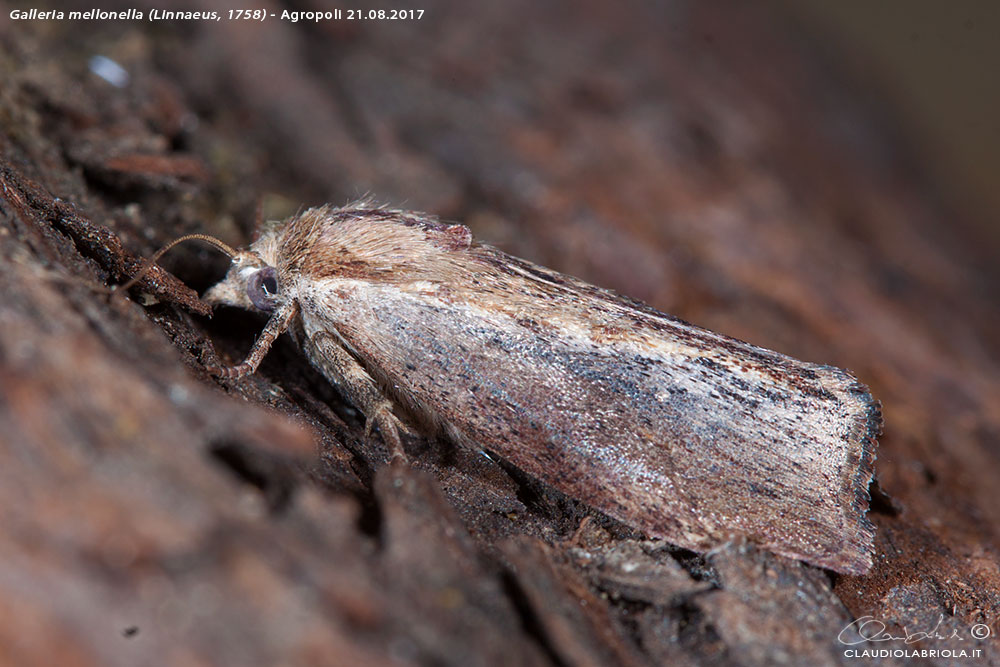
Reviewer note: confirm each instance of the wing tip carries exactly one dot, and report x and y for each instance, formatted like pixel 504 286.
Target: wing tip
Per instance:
pixel 856 556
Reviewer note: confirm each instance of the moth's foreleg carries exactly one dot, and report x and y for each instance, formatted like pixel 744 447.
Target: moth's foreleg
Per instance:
pixel 339 366
pixel 279 321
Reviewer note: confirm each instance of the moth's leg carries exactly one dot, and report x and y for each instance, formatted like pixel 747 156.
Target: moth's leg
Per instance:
pixel 359 388
pixel 279 321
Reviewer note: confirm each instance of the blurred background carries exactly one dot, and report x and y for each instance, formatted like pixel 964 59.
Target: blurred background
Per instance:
pixel 935 69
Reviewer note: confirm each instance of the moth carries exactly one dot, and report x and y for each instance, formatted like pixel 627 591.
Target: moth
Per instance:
pixel 685 434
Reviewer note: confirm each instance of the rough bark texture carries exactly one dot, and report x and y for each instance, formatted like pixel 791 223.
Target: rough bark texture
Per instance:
pixel 702 160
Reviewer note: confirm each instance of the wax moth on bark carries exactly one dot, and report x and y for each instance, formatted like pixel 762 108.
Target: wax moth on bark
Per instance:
pixel 685 434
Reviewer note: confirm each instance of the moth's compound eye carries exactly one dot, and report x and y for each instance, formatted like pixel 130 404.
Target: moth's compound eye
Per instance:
pixel 263 289
pixel 269 283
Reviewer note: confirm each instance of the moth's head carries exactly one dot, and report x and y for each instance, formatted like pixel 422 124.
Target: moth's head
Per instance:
pixel 251 283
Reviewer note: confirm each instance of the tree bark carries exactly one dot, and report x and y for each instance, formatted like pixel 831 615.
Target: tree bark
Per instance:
pixel 703 159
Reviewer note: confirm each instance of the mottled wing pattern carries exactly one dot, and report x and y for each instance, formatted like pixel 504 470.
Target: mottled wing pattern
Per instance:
pixel 681 432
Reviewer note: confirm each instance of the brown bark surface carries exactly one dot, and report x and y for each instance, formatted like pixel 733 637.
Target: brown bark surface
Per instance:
pixel 705 161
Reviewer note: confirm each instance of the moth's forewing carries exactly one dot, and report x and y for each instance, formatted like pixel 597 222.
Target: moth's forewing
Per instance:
pixel 683 433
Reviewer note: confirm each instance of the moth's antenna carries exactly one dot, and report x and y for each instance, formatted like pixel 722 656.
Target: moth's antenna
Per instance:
pixel 150 262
